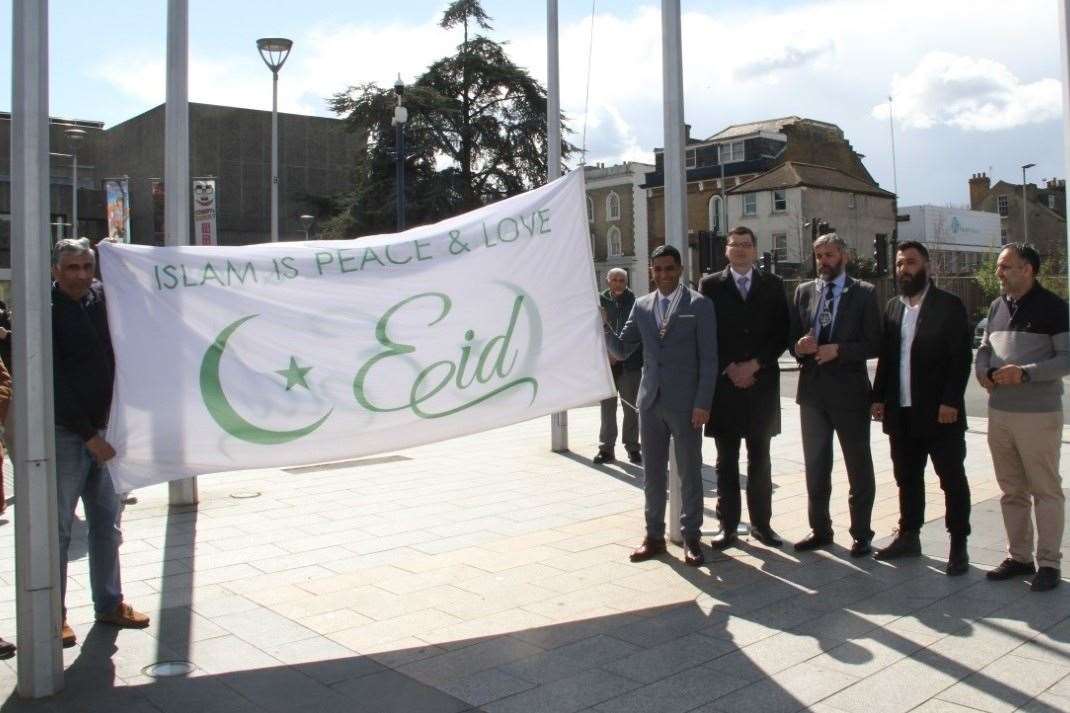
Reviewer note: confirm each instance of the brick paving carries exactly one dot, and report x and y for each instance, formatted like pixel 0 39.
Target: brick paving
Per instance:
pixel 489 574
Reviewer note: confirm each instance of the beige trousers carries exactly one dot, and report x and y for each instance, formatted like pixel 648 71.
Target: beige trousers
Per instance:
pixel 1025 454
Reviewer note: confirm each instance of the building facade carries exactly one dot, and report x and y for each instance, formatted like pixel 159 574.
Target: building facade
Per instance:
pixel 616 216
pixel 1043 209
pixel 958 239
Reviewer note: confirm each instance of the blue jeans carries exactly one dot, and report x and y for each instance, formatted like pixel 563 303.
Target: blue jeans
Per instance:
pixel 79 476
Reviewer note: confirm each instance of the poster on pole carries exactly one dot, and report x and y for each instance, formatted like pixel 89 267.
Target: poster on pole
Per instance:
pixel 117 194
pixel 282 354
pixel 204 212
pixel 158 226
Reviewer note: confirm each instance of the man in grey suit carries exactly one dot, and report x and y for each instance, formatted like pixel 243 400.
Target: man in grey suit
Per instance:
pixel 677 329
pixel 835 327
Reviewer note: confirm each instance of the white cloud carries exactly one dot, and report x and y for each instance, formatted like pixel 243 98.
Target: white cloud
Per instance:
pixel 970 93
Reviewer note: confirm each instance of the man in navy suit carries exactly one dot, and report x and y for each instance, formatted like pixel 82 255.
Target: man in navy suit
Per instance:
pixel 677 330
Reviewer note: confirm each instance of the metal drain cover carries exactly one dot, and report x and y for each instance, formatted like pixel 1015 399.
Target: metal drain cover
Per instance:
pixel 168 669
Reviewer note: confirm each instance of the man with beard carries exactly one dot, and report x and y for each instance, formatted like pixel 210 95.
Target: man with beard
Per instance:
pixel 918 394
pixel 1023 358
pixel 835 327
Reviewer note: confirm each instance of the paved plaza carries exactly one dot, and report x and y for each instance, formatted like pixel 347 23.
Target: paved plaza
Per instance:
pixel 488 574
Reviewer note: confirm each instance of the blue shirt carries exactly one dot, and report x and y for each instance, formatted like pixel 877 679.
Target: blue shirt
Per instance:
pixel 837 290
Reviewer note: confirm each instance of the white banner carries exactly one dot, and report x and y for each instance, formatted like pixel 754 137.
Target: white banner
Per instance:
pixel 290 353
pixel 204 211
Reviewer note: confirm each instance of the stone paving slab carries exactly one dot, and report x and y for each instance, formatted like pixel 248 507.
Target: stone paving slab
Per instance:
pixel 489 574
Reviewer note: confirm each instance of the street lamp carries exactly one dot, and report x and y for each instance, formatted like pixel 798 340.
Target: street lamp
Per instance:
pixel 401 115
pixel 274 51
pixel 306 223
pixel 75 137
pixel 1025 198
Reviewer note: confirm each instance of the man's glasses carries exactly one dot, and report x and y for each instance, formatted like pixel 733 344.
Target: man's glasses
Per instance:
pixel 741 245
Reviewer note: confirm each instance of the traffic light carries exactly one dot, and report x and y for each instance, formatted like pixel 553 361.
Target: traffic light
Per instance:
pixel 767 262
pixel 880 255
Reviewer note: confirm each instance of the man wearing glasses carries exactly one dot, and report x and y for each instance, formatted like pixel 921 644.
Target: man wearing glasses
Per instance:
pixel 752 333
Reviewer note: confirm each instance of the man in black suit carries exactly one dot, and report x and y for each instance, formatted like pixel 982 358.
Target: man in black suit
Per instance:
pixel 835 328
pixel 918 393
pixel 752 333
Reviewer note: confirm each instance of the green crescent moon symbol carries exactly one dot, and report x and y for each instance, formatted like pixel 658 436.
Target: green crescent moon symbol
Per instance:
pixel 219 406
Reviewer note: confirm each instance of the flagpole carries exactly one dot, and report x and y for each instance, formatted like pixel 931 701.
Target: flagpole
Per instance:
pixel 675 189
pixel 559 420
pixel 37 600
pixel 1064 46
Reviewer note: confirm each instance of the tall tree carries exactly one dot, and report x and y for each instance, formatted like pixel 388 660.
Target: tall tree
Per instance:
pixel 476 133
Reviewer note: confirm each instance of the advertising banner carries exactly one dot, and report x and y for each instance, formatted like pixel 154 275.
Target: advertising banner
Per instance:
pixel 117 194
pixel 204 212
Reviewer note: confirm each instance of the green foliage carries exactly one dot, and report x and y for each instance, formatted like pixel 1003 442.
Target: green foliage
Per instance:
pixel 476 133
pixel 985 276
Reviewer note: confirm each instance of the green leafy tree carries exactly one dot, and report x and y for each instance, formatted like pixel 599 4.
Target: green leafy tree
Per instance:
pixel 985 277
pixel 476 133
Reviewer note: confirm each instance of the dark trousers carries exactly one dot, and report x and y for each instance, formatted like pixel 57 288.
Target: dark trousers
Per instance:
pixel 657 426
pixel 759 480
pixel 852 429
pixel 627 383
pixel 946 446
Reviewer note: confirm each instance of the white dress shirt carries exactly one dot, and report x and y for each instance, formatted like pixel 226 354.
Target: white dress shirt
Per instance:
pixel 661 315
pixel 748 276
pixel 906 342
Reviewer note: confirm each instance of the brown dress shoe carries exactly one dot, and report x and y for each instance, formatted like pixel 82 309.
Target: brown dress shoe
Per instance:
pixel 124 617
pixel 66 635
pixel 648 550
pixel 693 556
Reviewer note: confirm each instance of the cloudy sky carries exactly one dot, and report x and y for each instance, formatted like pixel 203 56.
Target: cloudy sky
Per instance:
pixel 975 82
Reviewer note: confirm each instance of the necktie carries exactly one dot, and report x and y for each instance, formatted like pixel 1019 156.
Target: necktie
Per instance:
pixel 825 317
pixel 743 286
pixel 664 315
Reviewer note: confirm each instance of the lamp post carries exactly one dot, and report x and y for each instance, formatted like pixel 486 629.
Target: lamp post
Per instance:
pixel 306 223
pixel 75 137
pixel 1025 199
pixel 274 51
pixel 401 115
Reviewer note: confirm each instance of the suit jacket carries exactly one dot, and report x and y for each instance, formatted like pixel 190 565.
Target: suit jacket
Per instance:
pixel 755 328
pixel 680 368
pixel 842 383
pixel 940 360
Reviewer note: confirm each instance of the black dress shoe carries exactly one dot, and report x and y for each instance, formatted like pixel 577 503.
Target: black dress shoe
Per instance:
pixel 813 542
pixel 604 457
pixel 7 649
pixel 693 556
pixel 958 559
pixel 726 539
pixel 1010 567
pixel 905 544
pixel 1046 579
pixel 767 536
pixel 635 457
pixel 648 550
pixel 861 548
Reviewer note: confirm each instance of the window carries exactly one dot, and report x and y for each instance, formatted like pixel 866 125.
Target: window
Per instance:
pixel 750 204
pixel 590 210
pixel 594 244
pixel 1001 206
pixel 614 244
pixel 716 214
pixel 780 247
pixel 851 202
pixel 780 201
pixel 1051 201
pixel 729 153
pixel 691 158
pixel 1002 236
pixel 613 206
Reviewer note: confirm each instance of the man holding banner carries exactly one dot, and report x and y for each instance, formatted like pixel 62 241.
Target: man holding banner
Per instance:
pixel 677 329
pixel 84 369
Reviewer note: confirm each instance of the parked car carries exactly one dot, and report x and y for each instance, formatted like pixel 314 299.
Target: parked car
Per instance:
pixel 979 332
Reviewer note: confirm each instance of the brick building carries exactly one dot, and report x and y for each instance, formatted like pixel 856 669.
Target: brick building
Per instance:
pixel 1045 211
pixel 616 216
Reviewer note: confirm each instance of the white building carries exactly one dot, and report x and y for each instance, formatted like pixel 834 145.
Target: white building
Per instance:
pixel 617 218
pixel 957 239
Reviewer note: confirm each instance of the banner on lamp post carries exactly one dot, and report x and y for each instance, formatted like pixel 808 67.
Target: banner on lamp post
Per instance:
pixel 204 212
pixel 117 194
pixel 282 354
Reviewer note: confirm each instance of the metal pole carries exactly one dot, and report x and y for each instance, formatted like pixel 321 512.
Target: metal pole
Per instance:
pixel 399 162
pixel 176 166
pixel 274 156
pixel 675 186
pixel 1064 47
pixel 891 129
pixel 37 601
pixel 559 420
pixel 74 193
pixel 1025 209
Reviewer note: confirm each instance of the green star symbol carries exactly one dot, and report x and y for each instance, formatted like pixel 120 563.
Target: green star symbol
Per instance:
pixel 295 375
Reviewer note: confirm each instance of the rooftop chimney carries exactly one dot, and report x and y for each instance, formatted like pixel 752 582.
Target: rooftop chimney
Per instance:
pixel 980 185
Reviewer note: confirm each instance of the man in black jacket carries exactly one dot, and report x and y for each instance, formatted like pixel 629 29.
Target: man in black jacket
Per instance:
pixel 84 372
pixel 752 333
pixel 918 393
pixel 617 301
